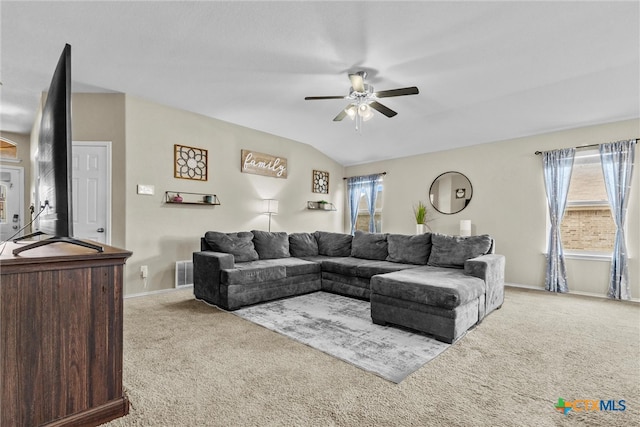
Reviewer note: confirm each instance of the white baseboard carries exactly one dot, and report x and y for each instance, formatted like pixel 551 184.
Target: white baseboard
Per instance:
pixel 160 291
pixel 513 285
pixel 584 294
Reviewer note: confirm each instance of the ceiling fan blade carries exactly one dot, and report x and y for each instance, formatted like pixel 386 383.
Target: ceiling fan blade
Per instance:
pixel 312 98
pixel 341 115
pixel 357 82
pixel 398 92
pixel 381 108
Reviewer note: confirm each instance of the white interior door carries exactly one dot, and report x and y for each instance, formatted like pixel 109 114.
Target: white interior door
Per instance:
pixel 91 187
pixel 11 201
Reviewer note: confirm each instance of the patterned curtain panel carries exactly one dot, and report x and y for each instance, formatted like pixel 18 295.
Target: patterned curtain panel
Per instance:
pixel 372 195
pixel 557 166
pixel 354 190
pixel 355 186
pixel 617 167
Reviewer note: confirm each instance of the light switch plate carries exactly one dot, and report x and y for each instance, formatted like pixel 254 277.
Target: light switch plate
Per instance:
pixel 148 190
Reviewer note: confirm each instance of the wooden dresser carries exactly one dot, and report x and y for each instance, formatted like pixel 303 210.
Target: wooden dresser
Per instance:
pixel 61 336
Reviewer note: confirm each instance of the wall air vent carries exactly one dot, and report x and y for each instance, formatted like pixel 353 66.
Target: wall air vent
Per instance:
pixel 184 273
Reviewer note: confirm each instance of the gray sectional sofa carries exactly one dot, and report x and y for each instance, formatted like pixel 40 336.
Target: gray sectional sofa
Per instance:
pixel 437 284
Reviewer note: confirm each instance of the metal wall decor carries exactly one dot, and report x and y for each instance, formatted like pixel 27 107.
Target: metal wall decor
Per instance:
pixel 320 182
pixel 190 162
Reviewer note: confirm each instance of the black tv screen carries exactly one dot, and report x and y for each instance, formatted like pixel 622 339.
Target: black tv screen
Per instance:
pixel 53 165
pixel 54 153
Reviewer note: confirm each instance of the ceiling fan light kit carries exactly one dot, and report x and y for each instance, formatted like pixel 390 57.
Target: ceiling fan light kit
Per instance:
pixel 363 100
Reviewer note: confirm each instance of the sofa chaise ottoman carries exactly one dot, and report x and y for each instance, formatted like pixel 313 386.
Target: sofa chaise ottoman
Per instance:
pixel 448 296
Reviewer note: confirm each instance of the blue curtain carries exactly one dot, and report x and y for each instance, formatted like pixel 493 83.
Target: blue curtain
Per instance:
pixel 371 194
pixel 355 186
pixel 557 165
pixel 354 190
pixel 617 167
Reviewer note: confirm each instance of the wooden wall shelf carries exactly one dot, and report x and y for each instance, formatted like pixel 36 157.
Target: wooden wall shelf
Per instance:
pixel 201 199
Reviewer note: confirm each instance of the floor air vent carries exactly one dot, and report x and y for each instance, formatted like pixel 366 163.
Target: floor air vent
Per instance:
pixel 184 273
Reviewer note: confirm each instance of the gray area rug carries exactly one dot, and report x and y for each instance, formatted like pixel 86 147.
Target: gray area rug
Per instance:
pixel 342 327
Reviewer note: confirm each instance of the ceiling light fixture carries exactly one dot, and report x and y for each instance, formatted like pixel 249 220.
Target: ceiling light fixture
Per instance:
pixel 359 111
pixel 363 100
pixel 365 112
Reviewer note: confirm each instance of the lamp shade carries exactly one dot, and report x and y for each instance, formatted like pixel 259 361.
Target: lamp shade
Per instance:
pixel 351 111
pixel 364 111
pixel 465 227
pixel 270 206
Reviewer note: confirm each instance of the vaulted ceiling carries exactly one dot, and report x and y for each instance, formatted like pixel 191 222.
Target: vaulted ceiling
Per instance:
pixel 486 71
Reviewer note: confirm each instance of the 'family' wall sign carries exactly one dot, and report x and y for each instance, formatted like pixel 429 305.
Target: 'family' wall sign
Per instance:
pixel 263 164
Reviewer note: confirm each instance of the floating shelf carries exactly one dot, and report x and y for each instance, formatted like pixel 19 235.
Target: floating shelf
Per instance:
pixel 191 198
pixel 317 206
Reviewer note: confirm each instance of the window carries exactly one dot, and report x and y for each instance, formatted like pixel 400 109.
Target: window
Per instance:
pixel 587 226
pixel 8 149
pixel 362 223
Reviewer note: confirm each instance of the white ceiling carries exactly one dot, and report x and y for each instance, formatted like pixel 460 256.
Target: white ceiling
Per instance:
pixel 486 71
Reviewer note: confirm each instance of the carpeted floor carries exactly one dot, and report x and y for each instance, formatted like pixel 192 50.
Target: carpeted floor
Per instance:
pixel 189 364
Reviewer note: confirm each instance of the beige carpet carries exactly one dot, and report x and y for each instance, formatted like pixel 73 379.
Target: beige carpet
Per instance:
pixel 189 364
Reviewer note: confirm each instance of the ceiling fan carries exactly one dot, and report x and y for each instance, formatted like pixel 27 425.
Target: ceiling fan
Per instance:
pixel 363 99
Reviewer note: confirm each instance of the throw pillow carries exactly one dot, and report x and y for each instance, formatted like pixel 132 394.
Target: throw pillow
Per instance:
pixel 409 249
pixel 333 244
pixel 453 251
pixel 369 246
pixel 271 245
pixel 240 245
pixel 303 244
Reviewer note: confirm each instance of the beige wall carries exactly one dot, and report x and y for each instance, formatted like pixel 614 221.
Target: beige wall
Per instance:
pixel 508 201
pixel 161 234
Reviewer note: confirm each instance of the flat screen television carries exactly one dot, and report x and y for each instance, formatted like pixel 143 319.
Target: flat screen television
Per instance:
pixel 53 164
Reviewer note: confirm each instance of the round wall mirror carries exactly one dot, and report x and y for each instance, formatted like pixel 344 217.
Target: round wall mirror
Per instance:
pixel 450 192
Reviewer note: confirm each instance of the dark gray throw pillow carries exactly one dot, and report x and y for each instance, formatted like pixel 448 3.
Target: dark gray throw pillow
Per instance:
pixel 369 246
pixel 303 244
pixel 453 251
pixel 409 249
pixel 240 245
pixel 271 245
pixel 333 244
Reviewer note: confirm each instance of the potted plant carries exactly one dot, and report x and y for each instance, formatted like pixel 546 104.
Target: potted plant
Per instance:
pixel 323 204
pixel 420 214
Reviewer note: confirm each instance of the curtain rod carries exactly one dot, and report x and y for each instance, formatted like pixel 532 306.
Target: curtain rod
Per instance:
pixel 381 173
pixel 537 153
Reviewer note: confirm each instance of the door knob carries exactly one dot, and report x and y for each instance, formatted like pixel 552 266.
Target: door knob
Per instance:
pixel 100 230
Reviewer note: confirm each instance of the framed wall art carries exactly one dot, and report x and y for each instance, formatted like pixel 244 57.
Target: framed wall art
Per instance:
pixel 263 164
pixel 320 182
pixel 190 162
